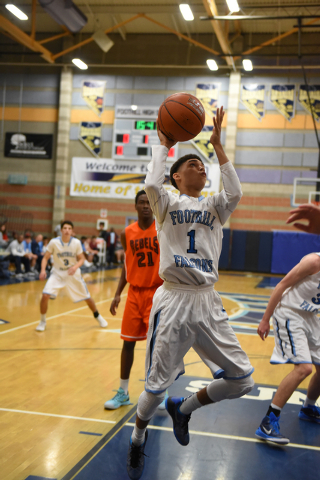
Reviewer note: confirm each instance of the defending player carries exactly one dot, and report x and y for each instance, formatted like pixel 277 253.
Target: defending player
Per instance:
pixel 187 311
pixel 68 257
pixel 141 247
pixel 294 304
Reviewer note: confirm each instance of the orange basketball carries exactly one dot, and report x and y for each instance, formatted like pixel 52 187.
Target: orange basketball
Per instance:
pixel 181 117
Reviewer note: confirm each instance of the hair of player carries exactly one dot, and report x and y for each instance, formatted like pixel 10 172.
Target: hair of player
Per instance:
pixel 66 222
pixel 141 192
pixel 175 167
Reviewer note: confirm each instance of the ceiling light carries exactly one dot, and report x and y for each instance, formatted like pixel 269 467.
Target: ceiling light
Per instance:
pixel 247 65
pixel 233 6
pixel 79 63
pixel 186 11
pixel 16 11
pixel 212 64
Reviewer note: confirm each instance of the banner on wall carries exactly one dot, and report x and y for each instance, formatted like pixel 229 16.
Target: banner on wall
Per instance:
pixel 90 136
pixel 123 179
pixel 93 93
pixel 28 145
pixel 253 98
pixel 283 98
pixel 203 145
pixel 208 94
pixel 314 94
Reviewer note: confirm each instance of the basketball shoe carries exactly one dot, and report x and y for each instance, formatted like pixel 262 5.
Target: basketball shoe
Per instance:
pixel 102 322
pixel 311 413
pixel 135 459
pixel 41 327
pixel 120 399
pixel 269 430
pixel 180 420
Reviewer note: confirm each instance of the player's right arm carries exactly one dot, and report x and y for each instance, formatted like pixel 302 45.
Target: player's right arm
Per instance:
pixel 309 265
pixel 44 261
pixel 157 194
pixel 122 282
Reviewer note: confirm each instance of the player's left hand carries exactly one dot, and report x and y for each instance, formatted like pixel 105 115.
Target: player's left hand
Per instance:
pixel 72 270
pixel 217 124
pixel 263 329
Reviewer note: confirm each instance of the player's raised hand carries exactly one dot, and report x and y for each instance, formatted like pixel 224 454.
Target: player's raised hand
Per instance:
pixel 114 304
pixel 263 329
pixel 217 125
pixel 309 212
pixel 164 140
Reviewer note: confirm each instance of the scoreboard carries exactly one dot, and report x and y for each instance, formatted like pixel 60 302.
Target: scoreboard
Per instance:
pixel 133 139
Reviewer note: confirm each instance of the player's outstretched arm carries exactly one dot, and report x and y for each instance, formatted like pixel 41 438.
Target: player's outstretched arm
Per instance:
pixel 309 265
pixel 215 138
pixel 44 261
pixel 309 212
pixel 123 280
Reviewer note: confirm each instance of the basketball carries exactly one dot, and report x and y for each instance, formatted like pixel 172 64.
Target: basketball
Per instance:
pixel 181 117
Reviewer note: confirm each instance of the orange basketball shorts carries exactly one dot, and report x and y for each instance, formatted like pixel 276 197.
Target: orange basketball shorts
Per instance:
pixel 135 321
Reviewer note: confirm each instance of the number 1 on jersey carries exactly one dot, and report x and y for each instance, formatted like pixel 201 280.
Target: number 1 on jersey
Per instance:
pixel 192 243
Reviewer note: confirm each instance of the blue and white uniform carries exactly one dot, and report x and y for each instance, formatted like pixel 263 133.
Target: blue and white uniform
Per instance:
pixel 296 325
pixel 64 256
pixel 187 311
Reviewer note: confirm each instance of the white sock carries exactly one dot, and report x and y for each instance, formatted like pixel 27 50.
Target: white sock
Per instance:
pixel 43 317
pixel 275 407
pixel 190 404
pixel 308 401
pixel 138 436
pixel 124 384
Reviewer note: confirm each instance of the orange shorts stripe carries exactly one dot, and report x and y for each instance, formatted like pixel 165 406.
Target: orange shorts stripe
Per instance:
pixel 135 321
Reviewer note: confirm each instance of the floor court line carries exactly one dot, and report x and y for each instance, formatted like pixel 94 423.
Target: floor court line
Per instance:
pixel 164 429
pixel 57 316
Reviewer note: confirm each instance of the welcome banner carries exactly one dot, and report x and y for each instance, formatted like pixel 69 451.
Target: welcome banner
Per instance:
pixel 116 179
pixel 253 98
pixel 283 98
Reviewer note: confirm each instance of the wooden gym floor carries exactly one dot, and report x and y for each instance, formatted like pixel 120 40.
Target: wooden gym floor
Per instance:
pixel 53 386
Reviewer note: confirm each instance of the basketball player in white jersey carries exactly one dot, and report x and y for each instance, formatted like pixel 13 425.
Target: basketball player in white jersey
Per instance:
pixel 68 257
pixel 187 311
pixel 294 305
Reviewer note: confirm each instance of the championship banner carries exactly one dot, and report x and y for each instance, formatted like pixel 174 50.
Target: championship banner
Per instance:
pixel 109 178
pixel 28 145
pixel 203 145
pixel 314 94
pixel 208 94
pixel 253 98
pixel 283 98
pixel 93 93
pixel 90 136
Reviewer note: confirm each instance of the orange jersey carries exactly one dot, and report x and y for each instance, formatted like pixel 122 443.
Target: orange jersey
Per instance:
pixel 142 256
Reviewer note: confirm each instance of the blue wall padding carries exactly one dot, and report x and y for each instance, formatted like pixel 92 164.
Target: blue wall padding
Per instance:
pixel 224 257
pixel 290 247
pixel 238 253
pixel 265 252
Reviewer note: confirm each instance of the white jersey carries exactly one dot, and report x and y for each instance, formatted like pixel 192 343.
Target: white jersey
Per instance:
pixel 304 295
pixel 189 229
pixel 64 254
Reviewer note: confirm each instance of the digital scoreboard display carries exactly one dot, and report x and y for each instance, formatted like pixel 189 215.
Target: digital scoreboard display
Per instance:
pixel 133 139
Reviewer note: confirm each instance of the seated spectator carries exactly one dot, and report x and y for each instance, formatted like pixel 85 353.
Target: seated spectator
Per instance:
pixel 87 263
pixel 119 252
pixel 19 256
pixel 4 239
pixel 36 249
pixel 27 246
pixel 91 252
pixel 45 243
pixel 102 232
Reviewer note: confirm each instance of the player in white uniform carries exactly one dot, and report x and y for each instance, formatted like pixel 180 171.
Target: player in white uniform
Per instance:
pixel 294 305
pixel 187 311
pixel 68 257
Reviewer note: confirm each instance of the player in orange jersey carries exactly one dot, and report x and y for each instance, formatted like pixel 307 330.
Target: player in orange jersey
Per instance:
pixel 142 255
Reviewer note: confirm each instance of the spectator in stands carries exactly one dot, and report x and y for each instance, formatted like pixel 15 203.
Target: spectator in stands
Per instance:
pixel 119 252
pixel 87 262
pixel 36 249
pixel 102 232
pixel 45 244
pixel 112 240
pixel 27 246
pixel 3 236
pixel 92 253
pixel 19 256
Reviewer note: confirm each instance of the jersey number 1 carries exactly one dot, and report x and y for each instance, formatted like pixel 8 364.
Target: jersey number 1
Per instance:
pixel 192 242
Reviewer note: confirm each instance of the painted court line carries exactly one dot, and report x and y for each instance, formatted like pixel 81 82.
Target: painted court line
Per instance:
pixel 57 316
pixel 164 429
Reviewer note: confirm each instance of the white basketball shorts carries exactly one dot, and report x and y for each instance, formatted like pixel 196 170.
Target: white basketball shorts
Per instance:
pixel 74 285
pixel 185 316
pixel 296 336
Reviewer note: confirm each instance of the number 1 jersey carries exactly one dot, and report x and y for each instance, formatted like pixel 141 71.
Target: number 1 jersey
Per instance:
pixel 189 229
pixel 142 256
